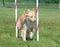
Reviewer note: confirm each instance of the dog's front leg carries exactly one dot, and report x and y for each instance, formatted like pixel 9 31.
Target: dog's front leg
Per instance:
pixel 24 32
pixel 32 33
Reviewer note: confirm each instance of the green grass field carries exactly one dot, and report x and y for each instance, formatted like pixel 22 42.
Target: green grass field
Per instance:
pixel 49 21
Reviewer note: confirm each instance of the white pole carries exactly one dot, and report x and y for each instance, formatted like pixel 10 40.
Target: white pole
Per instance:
pixel 37 28
pixel 16 18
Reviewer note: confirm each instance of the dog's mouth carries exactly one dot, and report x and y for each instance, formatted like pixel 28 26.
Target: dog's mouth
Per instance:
pixel 34 21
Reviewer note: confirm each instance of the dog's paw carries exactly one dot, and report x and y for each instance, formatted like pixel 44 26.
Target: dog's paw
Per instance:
pixel 31 35
pixel 24 40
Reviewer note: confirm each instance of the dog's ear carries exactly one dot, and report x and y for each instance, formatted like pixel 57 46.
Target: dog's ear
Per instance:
pixel 27 11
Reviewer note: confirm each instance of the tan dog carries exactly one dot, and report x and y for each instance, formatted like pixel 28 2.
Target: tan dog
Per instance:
pixel 26 21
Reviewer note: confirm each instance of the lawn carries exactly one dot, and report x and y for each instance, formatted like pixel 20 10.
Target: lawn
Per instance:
pixel 49 21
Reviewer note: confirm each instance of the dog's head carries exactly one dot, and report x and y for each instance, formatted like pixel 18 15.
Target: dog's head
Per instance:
pixel 30 15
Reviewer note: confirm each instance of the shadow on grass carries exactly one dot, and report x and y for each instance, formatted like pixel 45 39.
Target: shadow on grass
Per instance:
pixel 28 39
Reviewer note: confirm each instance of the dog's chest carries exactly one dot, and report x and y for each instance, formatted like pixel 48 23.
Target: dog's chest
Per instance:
pixel 29 24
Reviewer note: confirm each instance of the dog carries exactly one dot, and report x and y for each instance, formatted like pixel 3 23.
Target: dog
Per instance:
pixel 26 21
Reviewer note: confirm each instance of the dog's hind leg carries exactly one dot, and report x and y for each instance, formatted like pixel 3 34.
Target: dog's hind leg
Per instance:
pixel 24 32
pixel 18 28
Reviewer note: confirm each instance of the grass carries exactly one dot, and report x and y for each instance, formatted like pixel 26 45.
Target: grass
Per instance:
pixel 49 21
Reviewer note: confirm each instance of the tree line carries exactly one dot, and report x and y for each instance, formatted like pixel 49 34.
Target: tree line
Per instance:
pixel 40 1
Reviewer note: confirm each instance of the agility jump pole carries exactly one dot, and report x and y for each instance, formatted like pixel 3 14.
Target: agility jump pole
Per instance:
pixel 16 18
pixel 37 22
pixel 37 28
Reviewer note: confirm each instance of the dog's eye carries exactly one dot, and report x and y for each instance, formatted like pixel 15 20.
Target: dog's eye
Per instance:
pixel 31 16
